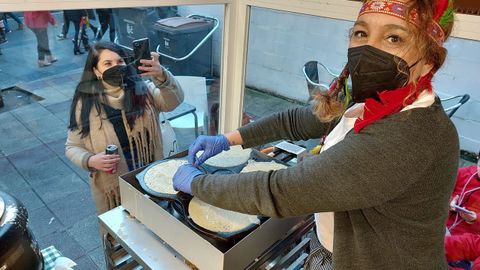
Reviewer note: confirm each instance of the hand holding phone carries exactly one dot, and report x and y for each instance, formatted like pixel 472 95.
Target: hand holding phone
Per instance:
pixel 141 50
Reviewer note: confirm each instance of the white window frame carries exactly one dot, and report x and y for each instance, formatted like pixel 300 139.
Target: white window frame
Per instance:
pixel 235 35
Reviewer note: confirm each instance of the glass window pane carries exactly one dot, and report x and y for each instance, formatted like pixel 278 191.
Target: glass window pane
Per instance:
pixel 280 44
pixel 51 57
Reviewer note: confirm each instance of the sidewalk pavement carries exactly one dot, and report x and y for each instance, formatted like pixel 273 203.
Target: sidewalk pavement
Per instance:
pixel 33 165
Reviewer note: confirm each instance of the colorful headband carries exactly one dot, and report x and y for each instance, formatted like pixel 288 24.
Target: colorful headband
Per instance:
pixel 400 10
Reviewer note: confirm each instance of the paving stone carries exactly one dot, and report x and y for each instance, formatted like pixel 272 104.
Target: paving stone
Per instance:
pixel 14 129
pixel 6 117
pixel 58 146
pixel 55 188
pixel 31 112
pixel 16 145
pixel 47 129
pixel 15 137
pixel 74 207
pixel 40 172
pixel 11 182
pixel 6 167
pixel 35 155
pixel 68 92
pixel 87 233
pixel 63 242
pixel 59 107
pixel 28 197
pixel 85 263
pixel 58 80
pixel 98 258
pixel 80 172
pixel 48 124
pixel 34 85
pixel 6 81
pixel 43 222
pixel 52 97
pixel 64 117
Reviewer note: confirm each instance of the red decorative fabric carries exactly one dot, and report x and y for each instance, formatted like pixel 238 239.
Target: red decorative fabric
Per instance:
pixel 391 101
pixel 399 9
pixel 442 5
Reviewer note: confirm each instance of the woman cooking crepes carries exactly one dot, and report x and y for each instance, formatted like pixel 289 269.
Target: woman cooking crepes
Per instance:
pixel 388 165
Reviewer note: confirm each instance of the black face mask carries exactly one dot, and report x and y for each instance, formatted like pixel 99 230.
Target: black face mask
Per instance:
pixel 373 70
pixel 114 76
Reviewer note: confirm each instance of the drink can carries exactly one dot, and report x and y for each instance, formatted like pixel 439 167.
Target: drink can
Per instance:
pixel 111 149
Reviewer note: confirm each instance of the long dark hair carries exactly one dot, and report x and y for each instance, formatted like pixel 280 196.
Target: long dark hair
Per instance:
pixel 90 90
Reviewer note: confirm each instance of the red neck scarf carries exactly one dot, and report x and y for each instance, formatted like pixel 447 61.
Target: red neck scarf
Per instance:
pixel 391 101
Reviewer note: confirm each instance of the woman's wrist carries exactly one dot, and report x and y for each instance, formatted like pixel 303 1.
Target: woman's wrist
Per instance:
pixel 234 137
pixel 89 166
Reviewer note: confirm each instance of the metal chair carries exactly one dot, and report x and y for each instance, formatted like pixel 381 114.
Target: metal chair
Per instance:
pixel 461 99
pixel 319 77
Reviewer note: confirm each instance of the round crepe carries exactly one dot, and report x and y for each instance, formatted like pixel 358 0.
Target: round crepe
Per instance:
pixel 217 219
pixel 159 177
pixel 233 157
pixel 253 166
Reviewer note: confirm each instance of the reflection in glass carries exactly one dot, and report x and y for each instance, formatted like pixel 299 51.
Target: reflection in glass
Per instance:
pixel 37 101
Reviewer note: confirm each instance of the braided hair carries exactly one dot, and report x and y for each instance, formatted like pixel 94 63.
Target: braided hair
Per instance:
pixel 330 105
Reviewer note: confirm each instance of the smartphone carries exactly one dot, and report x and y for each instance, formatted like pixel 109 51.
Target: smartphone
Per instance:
pixel 462 209
pixel 141 50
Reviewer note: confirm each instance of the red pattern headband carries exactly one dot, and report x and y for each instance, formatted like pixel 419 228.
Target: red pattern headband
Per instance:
pixel 400 10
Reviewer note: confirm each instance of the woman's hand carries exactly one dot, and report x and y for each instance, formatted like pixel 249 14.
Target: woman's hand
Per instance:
pixel 470 217
pixel 210 145
pixel 104 162
pixel 453 202
pixel 152 67
pixel 183 178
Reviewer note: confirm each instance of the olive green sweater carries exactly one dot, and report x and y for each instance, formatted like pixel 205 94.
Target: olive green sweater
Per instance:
pixel 389 185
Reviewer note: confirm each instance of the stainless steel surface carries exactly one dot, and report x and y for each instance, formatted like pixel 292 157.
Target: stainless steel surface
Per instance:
pixel 189 243
pixel 285 251
pixel 142 244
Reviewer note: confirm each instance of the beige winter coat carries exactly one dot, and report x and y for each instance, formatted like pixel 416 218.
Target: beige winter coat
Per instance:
pixel 105 191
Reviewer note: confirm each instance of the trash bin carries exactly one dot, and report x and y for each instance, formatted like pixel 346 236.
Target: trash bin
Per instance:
pixel 135 23
pixel 185 44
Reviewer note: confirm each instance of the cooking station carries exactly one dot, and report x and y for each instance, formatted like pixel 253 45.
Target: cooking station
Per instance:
pixel 147 233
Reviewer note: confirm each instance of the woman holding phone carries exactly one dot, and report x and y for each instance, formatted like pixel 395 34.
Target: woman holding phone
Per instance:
pixel 388 164
pixel 112 105
pixel 465 202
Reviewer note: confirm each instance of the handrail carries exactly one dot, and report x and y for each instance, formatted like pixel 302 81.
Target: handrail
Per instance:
pixel 199 44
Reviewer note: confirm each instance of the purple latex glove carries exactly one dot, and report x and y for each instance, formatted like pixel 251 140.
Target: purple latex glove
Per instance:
pixel 211 146
pixel 182 180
